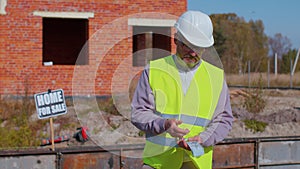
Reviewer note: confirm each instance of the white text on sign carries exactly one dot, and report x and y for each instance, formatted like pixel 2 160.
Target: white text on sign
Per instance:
pixel 49 98
pixel 51 103
pixel 44 111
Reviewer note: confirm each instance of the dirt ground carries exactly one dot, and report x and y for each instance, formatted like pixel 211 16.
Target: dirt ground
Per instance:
pixel 281 113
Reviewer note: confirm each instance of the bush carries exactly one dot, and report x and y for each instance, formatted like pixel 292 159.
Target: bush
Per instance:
pixel 17 130
pixel 254 101
pixel 255 126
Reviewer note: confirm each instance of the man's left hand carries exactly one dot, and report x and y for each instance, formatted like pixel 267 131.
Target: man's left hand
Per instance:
pixel 196 138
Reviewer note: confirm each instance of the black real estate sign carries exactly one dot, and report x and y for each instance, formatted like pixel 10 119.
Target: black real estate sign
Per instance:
pixel 51 103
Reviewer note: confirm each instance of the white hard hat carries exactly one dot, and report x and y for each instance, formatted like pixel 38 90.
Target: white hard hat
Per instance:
pixel 196 27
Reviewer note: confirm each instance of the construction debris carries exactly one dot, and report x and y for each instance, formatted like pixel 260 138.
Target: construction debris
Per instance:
pixel 57 139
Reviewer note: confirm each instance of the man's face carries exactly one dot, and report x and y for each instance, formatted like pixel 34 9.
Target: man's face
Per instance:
pixel 189 53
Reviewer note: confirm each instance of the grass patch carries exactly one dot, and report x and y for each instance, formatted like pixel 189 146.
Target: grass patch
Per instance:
pixel 141 133
pixel 255 126
pixel 107 105
pixel 17 129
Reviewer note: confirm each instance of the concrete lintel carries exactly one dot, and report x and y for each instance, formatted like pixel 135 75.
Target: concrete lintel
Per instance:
pixel 3 4
pixel 75 15
pixel 151 22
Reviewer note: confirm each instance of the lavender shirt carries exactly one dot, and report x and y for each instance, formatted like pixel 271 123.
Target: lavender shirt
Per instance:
pixel 145 118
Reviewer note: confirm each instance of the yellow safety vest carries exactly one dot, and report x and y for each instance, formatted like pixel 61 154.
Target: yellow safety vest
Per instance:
pixel 195 109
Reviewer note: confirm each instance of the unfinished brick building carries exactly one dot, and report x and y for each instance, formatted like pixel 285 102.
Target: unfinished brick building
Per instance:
pixel 83 47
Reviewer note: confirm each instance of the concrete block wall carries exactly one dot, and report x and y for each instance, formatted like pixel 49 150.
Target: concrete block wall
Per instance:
pixel 21 67
pixel 263 153
pixel 32 161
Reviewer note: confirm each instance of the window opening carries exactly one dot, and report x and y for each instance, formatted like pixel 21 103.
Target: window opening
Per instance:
pixel 150 43
pixel 63 40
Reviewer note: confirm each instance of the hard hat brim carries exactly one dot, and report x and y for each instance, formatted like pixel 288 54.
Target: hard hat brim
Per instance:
pixel 204 41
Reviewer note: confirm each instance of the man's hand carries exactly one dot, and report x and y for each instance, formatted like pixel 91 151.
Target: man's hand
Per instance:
pixel 182 143
pixel 196 138
pixel 171 126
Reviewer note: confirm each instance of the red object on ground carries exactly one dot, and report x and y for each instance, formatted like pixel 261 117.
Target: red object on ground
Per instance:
pixel 82 135
pixel 84 131
pixel 57 139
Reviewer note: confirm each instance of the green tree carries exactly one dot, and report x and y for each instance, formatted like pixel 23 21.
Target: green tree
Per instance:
pixel 238 41
pixel 285 65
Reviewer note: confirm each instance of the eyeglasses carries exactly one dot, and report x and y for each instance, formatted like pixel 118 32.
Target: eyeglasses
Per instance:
pixel 190 47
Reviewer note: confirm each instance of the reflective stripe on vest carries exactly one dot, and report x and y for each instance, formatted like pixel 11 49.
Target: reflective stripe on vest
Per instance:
pixel 172 142
pixel 195 109
pixel 197 121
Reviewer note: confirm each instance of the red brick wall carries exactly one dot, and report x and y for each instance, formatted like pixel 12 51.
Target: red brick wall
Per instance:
pixel 109 66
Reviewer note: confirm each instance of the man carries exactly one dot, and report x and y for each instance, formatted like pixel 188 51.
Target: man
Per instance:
pixel 182 102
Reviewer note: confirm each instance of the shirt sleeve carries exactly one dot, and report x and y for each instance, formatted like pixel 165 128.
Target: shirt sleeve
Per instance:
pixel 143 114
pixel 221 123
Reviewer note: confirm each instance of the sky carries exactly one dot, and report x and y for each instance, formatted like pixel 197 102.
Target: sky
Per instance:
pixel 278 16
